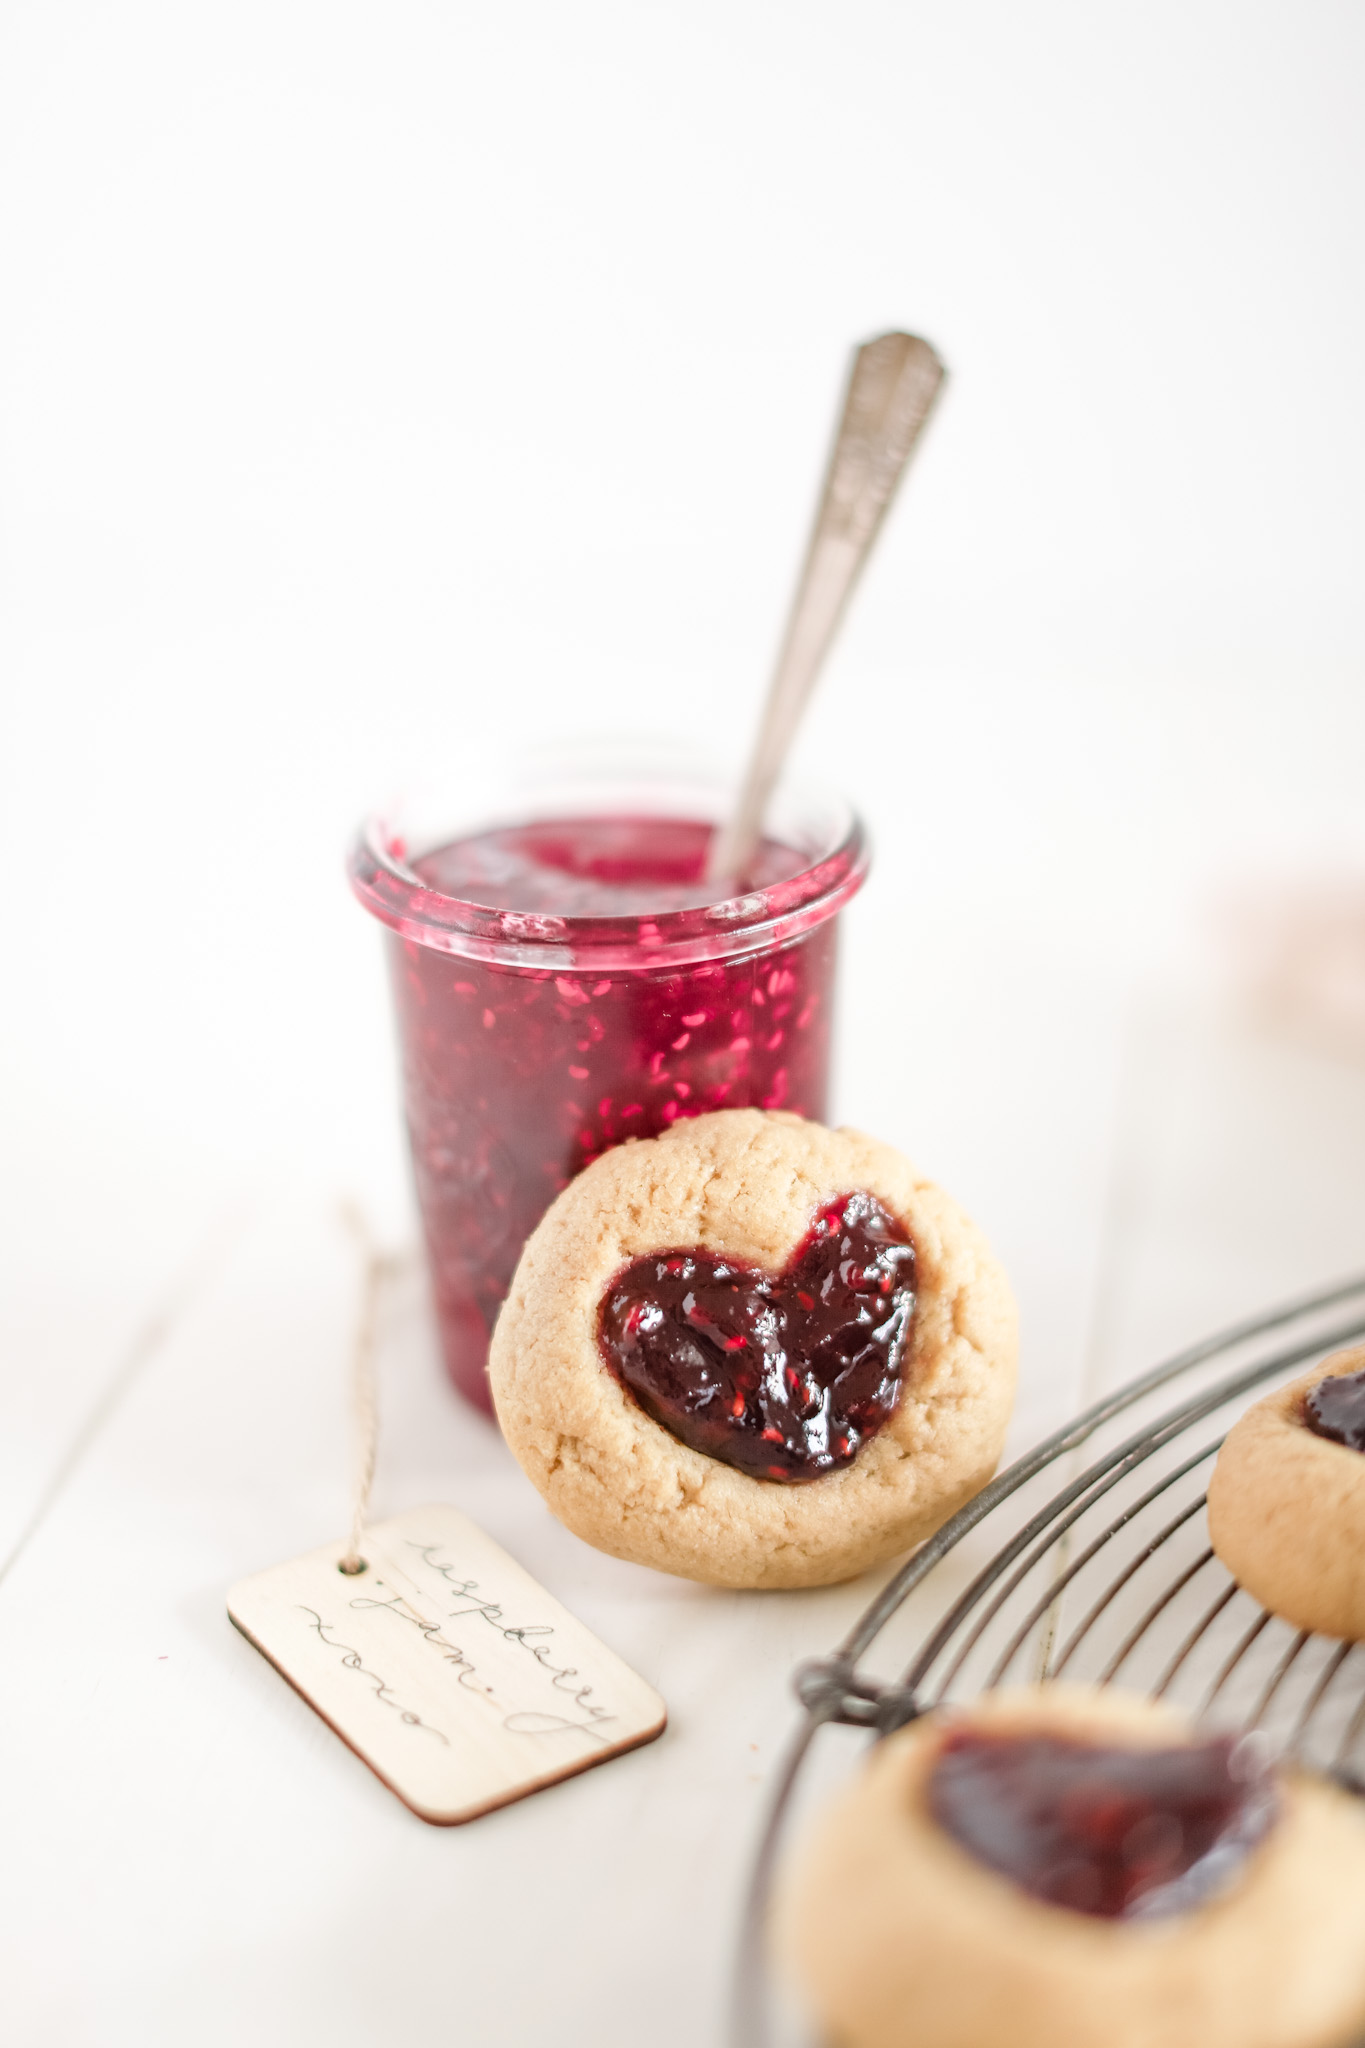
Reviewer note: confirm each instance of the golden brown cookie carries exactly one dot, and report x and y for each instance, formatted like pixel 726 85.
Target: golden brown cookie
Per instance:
pixel 1287 1510
pixel 901 1938
pixel 748 1186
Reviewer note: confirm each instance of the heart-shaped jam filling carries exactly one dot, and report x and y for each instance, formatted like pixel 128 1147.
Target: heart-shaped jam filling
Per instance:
pixel 1120 1833
pixel 783 1375
pixel 1335 1408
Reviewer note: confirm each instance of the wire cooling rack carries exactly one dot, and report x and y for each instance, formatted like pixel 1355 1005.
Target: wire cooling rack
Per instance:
pixel 1089 1561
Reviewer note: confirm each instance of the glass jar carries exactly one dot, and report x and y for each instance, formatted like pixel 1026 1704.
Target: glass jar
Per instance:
pixel 562 985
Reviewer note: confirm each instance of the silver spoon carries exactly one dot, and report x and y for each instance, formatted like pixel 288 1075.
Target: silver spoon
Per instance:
pixel 891 391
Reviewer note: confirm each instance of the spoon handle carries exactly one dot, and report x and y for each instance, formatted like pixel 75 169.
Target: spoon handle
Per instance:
pixel 891 391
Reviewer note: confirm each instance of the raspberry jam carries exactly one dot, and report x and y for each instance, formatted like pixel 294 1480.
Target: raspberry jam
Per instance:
pixel 1335 1408
pixel 1118 1833
pixel 564 985
pixel 783 1375
pixel 591 867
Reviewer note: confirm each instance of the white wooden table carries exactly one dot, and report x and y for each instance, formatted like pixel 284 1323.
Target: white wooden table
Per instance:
pixel 190 1855
pixel 385 389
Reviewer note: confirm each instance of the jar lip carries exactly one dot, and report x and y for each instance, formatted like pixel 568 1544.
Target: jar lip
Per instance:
pixel 382 872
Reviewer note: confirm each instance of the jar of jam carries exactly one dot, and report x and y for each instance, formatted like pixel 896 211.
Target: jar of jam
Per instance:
pixel 566 979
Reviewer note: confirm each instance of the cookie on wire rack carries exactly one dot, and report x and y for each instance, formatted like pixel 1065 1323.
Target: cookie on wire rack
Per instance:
pixel 1062 1868
pixel 1287 1499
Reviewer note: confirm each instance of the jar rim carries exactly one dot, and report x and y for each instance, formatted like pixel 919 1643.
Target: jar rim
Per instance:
pixel 383 875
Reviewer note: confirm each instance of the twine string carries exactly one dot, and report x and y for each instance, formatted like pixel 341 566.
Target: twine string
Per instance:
pixel 375 1267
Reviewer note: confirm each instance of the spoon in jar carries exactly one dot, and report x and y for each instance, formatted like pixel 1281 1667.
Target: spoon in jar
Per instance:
pixel 892 387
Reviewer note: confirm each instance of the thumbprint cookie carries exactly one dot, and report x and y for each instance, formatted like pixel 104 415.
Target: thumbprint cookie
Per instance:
pixel 755 1352
pixel 1287 1499
pixel 1058 1868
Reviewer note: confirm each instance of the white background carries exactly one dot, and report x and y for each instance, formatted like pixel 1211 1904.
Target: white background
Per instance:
pixel 383 385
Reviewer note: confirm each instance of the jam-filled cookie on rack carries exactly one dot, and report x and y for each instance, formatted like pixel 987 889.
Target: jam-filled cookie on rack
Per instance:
pixel 1287 1499
pixel 755 1352
pixel 1069 1869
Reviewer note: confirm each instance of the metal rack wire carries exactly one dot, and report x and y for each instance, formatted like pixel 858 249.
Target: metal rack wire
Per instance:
pixel 1105 1577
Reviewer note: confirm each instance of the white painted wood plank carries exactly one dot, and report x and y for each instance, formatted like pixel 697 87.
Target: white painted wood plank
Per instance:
pixel 1240 1180
pixel 100 1255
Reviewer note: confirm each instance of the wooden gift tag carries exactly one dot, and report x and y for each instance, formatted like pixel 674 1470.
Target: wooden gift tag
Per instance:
pixel 448 1670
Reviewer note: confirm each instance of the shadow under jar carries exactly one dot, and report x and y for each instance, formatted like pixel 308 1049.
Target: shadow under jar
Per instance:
pixel 565 980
